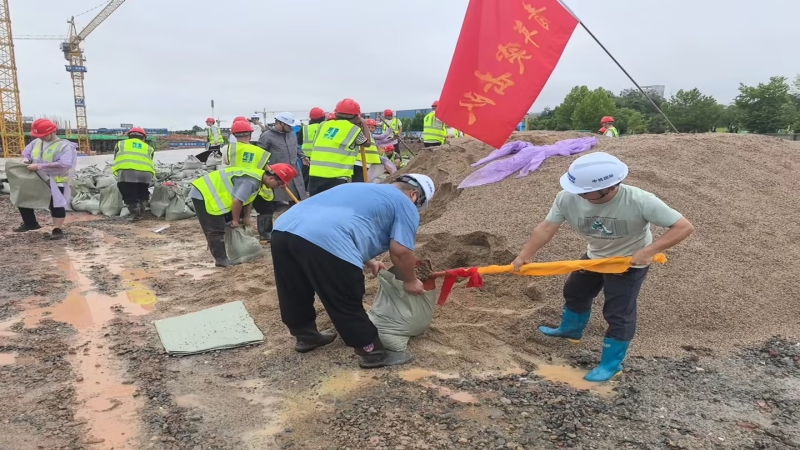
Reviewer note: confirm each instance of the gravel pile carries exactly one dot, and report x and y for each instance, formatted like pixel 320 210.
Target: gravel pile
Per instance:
pixel 733 283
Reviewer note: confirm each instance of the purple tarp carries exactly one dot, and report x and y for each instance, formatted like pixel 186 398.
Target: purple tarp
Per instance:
pixel 527 158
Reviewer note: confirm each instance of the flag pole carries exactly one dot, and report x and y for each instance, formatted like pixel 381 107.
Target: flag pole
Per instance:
pixel 620 66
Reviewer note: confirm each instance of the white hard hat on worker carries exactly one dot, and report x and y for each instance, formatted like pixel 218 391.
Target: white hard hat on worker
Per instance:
pixel 425 188
pixel 594 173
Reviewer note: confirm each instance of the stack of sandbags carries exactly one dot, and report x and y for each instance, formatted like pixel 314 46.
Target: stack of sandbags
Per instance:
pixel 4 186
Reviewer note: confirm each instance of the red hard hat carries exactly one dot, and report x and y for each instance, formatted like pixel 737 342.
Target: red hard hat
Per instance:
pixel 435 104
pixel 42 128
pixel 240 118
pixel 137 130
pixel 388 113
pixel 284 172
pixel 316 113
pixel 372 123
pixel 210 120
pixel 388 149
pixel 331 116
pixel 606 119
pixel 348 106
pixel 241 126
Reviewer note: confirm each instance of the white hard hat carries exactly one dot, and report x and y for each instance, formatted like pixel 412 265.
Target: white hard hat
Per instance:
pixel 424 182
pixel 593 172
pixel 255 116
pixel 285 117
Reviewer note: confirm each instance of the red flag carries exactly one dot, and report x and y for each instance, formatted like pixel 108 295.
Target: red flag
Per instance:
pixel 504 56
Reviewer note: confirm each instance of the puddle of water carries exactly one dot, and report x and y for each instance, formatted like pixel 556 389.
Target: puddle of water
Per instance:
pixel 419 374
pixel 6 359
pixel 341 383
pixel 573 377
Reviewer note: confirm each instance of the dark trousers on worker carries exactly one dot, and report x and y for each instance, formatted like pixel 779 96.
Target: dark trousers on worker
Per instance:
pixel 29 215
pixel 213 226
pixel 358 175
pixel 620 291
pixel 302 269
pixel 432 144
pixel 306 176
pixel 317 184
pixel 134 193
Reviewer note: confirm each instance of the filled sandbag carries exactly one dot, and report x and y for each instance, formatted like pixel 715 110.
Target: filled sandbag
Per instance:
pixel 27 188
pixel 86 202
pixel 242 245
pixel 6 188
pixel 111 201
pixel 125 212
pixel 398 315
pixel 213 160
pixel 192 163
pixel 159 201
pixel 177 208
pixel 105 181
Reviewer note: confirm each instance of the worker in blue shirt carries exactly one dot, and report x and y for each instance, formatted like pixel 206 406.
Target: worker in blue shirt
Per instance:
pixel 322 244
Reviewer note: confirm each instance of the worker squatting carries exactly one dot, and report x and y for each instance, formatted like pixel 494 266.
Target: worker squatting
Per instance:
pixel 322 245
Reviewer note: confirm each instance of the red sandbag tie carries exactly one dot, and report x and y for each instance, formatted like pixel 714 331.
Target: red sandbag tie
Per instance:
pixel 474 280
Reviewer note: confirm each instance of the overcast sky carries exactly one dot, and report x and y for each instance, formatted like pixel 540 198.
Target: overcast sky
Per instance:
pixel 158 63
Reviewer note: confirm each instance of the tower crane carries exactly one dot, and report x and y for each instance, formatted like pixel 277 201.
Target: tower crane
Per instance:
pixel 13 136
pixel 73 53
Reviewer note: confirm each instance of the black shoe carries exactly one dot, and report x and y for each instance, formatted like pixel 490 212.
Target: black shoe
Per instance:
pixel 219 253
pixel 56 234
pixel 24 228
pixel 264 223
pixel 308 338
pixel 375 355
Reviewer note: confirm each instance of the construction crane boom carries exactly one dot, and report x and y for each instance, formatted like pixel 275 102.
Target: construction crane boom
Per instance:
pixel 43 37
pixel 99 18
pixel 11 132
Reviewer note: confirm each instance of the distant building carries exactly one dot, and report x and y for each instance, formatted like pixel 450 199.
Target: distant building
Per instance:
pixel 403 114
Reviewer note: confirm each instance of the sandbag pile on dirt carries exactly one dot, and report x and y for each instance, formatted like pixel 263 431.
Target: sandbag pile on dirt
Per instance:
pixel 5 188
pixel 734 282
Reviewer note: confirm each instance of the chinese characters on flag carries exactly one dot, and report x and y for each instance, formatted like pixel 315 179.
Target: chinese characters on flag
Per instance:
pixel 504 56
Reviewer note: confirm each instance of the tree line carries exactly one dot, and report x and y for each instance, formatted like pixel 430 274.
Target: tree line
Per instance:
pixel 772 107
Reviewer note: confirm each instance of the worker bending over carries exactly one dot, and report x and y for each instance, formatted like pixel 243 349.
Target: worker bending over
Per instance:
pixel 214 134
pixel 281 142
pixel 373 155
pixel 54 159
pixel 337 146
pixel 615 219
pixel 434 131
pixel 134 169
pixel 607 127
pixel 231 190
pixel 322 246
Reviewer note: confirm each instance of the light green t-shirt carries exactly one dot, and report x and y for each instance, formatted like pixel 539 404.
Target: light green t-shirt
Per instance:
pixel 617 228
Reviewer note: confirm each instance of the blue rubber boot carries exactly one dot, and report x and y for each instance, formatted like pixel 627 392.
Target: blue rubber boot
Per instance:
pixel 614 352
pixel 571 328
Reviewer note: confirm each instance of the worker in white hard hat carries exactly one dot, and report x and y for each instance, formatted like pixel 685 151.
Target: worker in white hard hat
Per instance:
pixel 322 246
pixel 615 219
pixel 258 128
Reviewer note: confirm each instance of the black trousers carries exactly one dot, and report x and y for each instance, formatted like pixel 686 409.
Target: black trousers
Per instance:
pixel 29 215
pixel 620 290
pixel 358 175
pixel 263 206
pixel 133 193
pixel 306 176
pixel 317 184
pixel 302 269
pixel 213 226
pixel 432 144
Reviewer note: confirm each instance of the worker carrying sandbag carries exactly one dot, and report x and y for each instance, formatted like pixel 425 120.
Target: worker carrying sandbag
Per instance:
pixel 134 169
pixel 336 147
pixel 374 165
pixel 615 220
pixel 322 246
pixel 54 159
pixel 231 191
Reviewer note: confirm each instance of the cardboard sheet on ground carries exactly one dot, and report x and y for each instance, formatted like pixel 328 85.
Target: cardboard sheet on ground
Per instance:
pixel 28 190
pixel 221 327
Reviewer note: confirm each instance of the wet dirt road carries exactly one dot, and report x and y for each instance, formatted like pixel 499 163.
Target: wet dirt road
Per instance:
pixel 81 367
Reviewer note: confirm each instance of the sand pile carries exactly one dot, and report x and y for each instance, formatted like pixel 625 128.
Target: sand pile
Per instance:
pixel 734 282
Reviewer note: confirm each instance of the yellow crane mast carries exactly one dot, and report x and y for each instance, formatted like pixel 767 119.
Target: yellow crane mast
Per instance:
pixel 73 53
pixel 13 136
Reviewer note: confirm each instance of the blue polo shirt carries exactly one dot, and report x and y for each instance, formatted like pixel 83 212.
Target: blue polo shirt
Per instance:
pixel 354 221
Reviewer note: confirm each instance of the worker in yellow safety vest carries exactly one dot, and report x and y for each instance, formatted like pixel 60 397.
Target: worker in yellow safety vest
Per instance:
pixel 214 134
pixel 373 154
pixel 395 123
pixel 315 118
pixel 232 190
pixel 337 146
pixel 608 129
pixel 54 160
pixel 134 169
pixel 434 131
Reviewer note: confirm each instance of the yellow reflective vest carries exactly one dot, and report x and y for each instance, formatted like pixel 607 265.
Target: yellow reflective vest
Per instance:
pixel 50 154
pixel 214 136
pixel 249 156
pixel 133 154
pixel 395 124
pixel 309 134
pixel 332 156
pixel 217 188
pixel 431 132
pixel 372 153
pixel 613 130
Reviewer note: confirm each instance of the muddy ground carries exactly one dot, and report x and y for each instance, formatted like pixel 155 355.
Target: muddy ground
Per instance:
pixel 81 366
